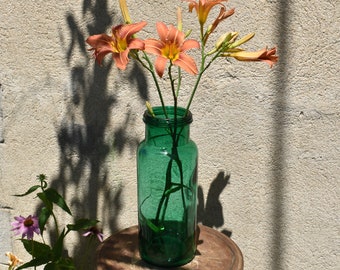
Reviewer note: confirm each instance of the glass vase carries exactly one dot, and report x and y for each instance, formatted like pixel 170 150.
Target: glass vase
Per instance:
pixel 167 188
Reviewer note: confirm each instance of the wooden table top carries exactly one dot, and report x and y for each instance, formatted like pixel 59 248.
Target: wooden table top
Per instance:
pixel 215 251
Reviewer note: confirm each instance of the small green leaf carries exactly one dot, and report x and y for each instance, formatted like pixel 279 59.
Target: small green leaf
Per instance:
pixel 31 189
pixel 62 264
pixel 43 217
pixel 152 226
pixel 48 204
pixel 37 249
pixel 172 190
pixel 82 224
pixel 53 196
pixel 58 247
pixel 51 266
pixel 34 262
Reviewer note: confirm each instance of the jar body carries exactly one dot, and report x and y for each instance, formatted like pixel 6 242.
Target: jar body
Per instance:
pixel 167 189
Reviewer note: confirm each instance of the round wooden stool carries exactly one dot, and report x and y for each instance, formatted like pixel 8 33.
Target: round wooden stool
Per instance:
pixel 215 251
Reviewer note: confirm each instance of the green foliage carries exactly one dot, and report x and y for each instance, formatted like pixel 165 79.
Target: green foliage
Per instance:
pixel 52 256
pixel 44 215
pixel 54 197
pixel 82 224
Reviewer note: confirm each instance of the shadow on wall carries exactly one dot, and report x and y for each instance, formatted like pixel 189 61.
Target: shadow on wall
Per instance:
pixel 279 134
pixel 211 214
pixel 84 148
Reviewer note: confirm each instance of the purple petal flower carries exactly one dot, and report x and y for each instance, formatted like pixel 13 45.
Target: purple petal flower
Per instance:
pixel 94 231
pixel 26 226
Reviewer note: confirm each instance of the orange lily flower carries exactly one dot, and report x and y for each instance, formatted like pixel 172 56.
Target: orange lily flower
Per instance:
pixel 119 43
pixel 171 46
pixel 263 55
pixel 222 16
pixel 13 260
pixel 203 8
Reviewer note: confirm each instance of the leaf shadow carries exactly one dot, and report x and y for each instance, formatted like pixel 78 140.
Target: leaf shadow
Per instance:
pixel 87 135
pixel 211 213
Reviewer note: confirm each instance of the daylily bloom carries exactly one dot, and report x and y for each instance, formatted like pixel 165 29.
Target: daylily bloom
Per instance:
pixel 26 226
pixel 119 43
pixel 171 46
pixel 263 55
pixel 222 16
pixel 203 8
pixel 13 260
pixel 94 231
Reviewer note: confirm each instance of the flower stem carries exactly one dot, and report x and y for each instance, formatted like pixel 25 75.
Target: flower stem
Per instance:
pixel 150 68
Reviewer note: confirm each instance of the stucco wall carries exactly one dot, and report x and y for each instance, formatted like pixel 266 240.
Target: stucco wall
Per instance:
pixel 268 138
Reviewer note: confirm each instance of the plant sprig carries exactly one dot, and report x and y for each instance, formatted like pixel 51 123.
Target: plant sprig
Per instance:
pixel 51 255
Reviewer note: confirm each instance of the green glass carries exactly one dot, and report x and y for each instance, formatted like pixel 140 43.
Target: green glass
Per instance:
pixel 167 188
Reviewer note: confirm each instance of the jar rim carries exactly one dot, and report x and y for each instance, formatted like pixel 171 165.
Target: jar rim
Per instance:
pixel 159 119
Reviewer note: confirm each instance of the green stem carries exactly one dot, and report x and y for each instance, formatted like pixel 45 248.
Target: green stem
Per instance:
pixel 151 69
pixel 162 206
pixel 33 252
pixel 56 224
pixel 203 68
pixel 179 81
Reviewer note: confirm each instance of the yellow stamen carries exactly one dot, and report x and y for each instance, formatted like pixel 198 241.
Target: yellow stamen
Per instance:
pixel 171 51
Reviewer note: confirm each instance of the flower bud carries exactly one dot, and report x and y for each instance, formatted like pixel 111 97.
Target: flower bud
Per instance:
pixel 242 40
pixel 125 11
pixel 179 19
pixel 149 108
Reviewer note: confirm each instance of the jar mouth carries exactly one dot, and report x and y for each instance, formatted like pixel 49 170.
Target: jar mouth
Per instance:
pixel 160 120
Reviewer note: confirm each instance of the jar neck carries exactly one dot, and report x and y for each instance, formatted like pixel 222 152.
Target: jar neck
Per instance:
pixel 167 129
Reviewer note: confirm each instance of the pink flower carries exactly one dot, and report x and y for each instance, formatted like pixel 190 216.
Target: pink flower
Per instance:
pixel 171 46
pixel 26 226
pixel 94 231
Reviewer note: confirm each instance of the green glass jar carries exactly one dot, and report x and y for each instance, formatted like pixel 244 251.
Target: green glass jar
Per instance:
pixel 167 188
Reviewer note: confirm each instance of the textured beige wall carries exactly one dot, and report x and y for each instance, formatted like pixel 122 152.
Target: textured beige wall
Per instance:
pixel 276 132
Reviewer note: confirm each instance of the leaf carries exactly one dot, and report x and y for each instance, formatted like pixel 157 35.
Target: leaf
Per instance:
pixel 151 225
pixel 59 245
pixel 34 262
pixel 82 224
pixel 53 196
pixel 37 249
pixel 172 190
pixel 43 217
pixel 51 266
pixel 31 189
pixel 62 264
pixel 48 204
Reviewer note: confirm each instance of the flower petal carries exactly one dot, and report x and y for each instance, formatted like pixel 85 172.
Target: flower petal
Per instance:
pixel 128 30
pixel 121 59
pixel 160 64
pixel 153 46
pixel 137 44
pixel 187 63
pixel 190 44
pixel 162 31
